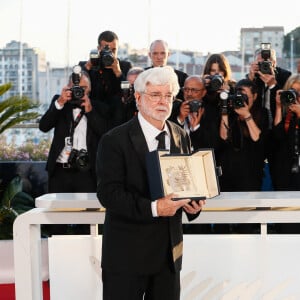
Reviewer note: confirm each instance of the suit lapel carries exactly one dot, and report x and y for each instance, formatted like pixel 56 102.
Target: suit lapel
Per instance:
pixel 138 140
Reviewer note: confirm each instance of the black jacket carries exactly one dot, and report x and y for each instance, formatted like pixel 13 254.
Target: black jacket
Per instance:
pixel 60 121
pixel 107 94
pixel 133 240
pixel 281 76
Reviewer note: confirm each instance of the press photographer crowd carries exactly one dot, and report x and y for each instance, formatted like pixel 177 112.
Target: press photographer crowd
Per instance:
pixel 252 124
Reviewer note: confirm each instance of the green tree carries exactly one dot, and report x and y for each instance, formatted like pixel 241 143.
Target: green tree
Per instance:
pixel 13 201
pixel 14 110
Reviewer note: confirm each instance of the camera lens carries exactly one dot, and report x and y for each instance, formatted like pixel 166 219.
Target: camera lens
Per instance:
pixel 194 105
pixel 82 160
pixel 216 82
pixel 265 67
pixel 107 60
pixel 288 97
pixel 77 92
pixel 106 57
pixel 238 100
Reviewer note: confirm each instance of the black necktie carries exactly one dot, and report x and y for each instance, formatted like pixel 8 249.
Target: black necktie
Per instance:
pixel 161 140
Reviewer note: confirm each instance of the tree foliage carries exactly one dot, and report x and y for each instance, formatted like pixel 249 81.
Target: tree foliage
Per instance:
pixel 15 109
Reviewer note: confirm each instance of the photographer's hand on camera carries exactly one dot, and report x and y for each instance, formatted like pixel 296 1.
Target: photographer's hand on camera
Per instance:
pixel 65 96
pixel 206 79
pixel 253 70
pixel 116 68
pixel 88 65
pixel 245 116
pixel 86 103
pixel 195 118
pixel 184 111
pixel 243 112
pixel 268 79
pixel 215 83
pixel 295 108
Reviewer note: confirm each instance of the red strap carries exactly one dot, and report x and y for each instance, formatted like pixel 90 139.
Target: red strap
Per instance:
pixel 287 121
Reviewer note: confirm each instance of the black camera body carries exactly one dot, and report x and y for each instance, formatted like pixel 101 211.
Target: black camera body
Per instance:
pixel 216 82
pixel 102 59
pixel 265 66
pixel 238 100
pixel 79 159
pixel 195 104
pixel 288 97
pixel 106 57
pixel 77 93
pixel 232 101
pixel 76 89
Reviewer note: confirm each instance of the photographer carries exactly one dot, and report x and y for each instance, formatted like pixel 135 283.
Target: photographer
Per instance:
pixel 217 76
pixel 128 99
pixel 267 75
pixel 242 130
pixel 77 128
pixel 106 72
pixel 159 53
pixel 191 114
pixel 286 134
pixel 269 78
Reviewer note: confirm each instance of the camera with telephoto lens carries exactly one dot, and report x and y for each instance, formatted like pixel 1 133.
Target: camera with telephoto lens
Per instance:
pixel 76 89
pixel 232 101
pixel 127 92
pixel 265 66
pixel 79 159
pixel 288 97
pixel 216 82
pixel 102 59
pixel 194 105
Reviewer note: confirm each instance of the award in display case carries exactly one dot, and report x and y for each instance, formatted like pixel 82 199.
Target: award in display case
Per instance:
pixel 193 176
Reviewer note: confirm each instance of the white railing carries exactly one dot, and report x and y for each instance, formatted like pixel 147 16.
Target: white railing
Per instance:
pixel 235 207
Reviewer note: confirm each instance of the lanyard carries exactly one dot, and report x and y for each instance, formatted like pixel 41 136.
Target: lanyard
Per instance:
pixel 74 124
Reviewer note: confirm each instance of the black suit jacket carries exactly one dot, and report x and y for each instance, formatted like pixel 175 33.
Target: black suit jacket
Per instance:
pixel 281 76
pixel 207 135
pixel 107 94
pixel 133 240
pixel 60 121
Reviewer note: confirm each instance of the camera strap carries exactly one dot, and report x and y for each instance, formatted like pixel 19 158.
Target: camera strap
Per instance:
pixel 75 123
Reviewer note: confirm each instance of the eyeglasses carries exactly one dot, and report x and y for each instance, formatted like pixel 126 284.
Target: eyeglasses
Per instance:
pixel 156 97
pixel 192 90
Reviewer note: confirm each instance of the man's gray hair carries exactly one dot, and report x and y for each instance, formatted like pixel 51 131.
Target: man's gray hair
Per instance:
pixel 157 76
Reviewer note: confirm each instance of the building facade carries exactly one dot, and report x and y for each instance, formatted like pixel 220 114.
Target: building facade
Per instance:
pixel 20 65
pixel 251 38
